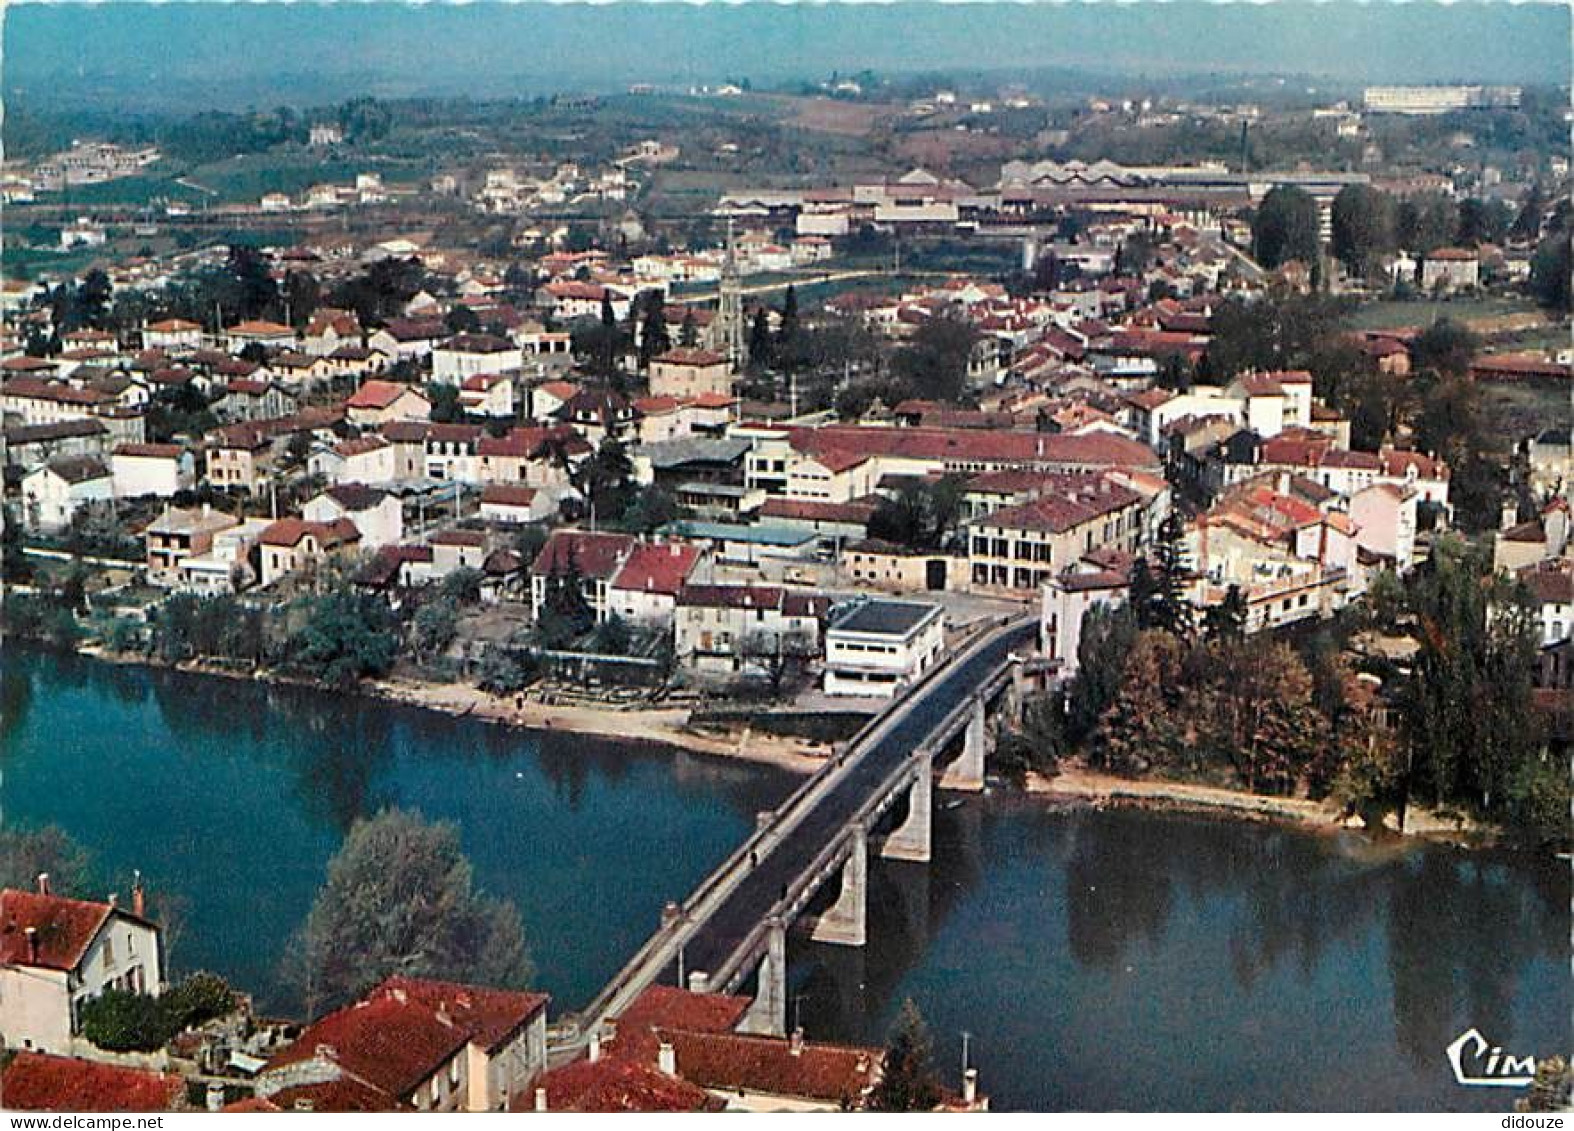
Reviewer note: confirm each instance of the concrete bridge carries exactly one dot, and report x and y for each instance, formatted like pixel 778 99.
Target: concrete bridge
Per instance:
pixel 806 865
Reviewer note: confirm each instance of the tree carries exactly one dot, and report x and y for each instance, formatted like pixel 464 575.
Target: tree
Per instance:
pixel 688 332
pixel 1108 635
pixel 607 359
pixel 605 479
pixel 25 853
pixel 1285 227
pixel 400 899
pixel 933 365
pixel 1036 743
pixel 1226 621
pixel 462 320
pixel 787 331
pixel 346 636
pixel 302 296
pixel 1482 221
pixel 1552 1089
pixel 1170 610
pixel 1446 347
pixel 908 1080
pixel 1472 734
pixel 654 340
pixel 1253 711
pixel 1527 224
pixel 921 515
pixel 1549 272
pixel 123 1021
pixel 1140 729
pixel 1425 223
pixel 434 627
pixel 761 345
pixel 1363 228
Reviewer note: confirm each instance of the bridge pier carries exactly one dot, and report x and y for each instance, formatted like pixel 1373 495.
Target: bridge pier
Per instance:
pixel 768 1014
pixel 913 838
pixel 847 921
pixel 967 772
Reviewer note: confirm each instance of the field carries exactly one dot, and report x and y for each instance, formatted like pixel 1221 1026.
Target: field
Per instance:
pixel 1390 314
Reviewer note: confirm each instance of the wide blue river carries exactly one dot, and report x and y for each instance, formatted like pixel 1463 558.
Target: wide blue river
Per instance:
pixel 1097 960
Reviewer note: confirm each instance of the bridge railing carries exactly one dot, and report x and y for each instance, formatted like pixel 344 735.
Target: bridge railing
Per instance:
pixel 826 858
pixel 669 936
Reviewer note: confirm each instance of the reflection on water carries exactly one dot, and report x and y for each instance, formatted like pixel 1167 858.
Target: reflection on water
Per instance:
pixel 232 795
pixel 1101 960
pixel 1141 961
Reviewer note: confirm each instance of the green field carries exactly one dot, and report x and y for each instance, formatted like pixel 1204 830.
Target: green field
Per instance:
pixel 1390 314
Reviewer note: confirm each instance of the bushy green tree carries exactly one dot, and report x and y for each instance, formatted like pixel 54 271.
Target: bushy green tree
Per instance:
pixel 1363 228
pixel 400 899
pixel 1285 227
pixel 346 636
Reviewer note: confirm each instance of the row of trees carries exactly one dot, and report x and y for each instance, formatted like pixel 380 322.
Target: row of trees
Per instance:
pixel 1369 224
pixel 1154 696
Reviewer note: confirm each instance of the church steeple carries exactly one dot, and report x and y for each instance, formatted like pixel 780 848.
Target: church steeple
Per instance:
pixel 730 308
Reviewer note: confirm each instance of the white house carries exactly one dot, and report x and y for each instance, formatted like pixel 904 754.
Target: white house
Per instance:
pixel 151 469
pixel 878 647
pixel 53 493
pixel 173 335
pixel 57 953
pixel 465 355
pixel 376 514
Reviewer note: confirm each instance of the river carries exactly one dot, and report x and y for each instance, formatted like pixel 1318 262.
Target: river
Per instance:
pixel 1099 959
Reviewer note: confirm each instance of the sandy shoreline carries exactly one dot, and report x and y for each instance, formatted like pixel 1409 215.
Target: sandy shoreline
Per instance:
pixel 1079 785
pixel 667 726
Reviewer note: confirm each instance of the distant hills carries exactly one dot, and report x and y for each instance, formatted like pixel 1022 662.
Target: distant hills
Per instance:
pixel 197 55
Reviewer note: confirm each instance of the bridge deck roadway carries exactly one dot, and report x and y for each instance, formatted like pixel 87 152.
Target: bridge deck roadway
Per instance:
pixel 728 927
pixel 734 901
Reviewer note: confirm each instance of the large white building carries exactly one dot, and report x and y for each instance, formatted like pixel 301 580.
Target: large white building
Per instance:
pixel 878 647
pixel 1439 99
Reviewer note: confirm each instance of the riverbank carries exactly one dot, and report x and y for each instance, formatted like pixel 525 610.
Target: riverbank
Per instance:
pixel 655 727
pixel 665 726
pixel 1080 785
pixel 671 727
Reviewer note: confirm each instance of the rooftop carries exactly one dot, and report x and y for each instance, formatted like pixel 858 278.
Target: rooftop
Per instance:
pixel 886 618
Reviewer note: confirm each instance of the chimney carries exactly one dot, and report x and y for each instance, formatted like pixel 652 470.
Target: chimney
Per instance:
pixel 213 1100
pixel 795 1041
pixel 32 944
pixel 139 898
pixel 113 900
pixel 970 1087
pixel 594 1053
pixel 207 509
pixel 1510 515
pixel 43 883
pixel 667 1059
pixel 541 1099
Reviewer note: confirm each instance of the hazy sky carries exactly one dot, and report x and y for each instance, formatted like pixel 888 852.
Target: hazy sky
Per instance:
pixel 231 54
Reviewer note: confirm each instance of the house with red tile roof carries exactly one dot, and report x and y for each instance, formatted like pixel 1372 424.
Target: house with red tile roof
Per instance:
pixel 595 556
pixel 413 1044
pixel 377 402
pixel 724 630
pixel 291 545
pixel 645 589
pixel 56 953
pixel 672 1050
pixel 1020 547
pixel 690 372
pixel 40 1082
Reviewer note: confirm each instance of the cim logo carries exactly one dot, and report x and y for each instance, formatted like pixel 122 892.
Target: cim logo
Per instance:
pixel 1477 1063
